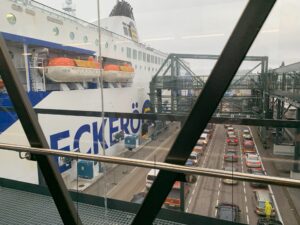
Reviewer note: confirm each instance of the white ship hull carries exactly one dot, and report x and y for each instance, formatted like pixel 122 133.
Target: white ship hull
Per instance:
pixel 72 132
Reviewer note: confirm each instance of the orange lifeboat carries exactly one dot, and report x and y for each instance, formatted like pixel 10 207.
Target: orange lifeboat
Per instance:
pixel 61 62
pixel 111 67
pixel 62 69
pixel 1 84
pixel 116 73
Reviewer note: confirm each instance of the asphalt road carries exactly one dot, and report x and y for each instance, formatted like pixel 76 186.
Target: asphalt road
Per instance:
pixel 205 194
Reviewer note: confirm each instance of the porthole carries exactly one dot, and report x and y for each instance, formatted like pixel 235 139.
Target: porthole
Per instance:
pixel 72 35
pixel 85 39
pixel 56 31
pixel 11 18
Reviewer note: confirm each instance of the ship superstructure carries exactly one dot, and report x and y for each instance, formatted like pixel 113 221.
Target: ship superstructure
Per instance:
pixel 56 55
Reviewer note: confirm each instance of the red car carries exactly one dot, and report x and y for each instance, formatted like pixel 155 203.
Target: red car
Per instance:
pixel 248 146
pixel 232 140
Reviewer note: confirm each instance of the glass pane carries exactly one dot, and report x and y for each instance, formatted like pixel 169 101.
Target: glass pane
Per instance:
pixel 88 88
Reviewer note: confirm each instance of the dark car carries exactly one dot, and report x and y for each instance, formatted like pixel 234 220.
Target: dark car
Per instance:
pixel 228 211
pixel 138 198
pixel 257 171
pixel 266 221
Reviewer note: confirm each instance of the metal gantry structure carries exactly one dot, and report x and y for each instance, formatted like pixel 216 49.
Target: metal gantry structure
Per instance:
pixel 175 87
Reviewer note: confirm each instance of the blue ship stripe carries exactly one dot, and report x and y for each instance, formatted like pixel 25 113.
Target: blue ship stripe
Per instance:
pixel 8 117
pixel 52 45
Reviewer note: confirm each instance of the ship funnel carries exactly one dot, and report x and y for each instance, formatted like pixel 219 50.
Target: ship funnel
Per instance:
pixel 69 7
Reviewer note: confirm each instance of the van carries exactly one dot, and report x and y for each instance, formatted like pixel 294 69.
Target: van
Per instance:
pixel 204 138
pixel 151 176
pixel 260 198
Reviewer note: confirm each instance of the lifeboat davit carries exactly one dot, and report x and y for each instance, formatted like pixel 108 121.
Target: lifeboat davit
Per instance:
pixel 72 70
pixel 116 73
pixel 1 84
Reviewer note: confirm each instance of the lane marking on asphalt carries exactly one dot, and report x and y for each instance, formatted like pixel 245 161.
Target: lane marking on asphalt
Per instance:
pixel 269 186
pixel 158 148
pixel 244 183
pixel 220 183
pixel 203 164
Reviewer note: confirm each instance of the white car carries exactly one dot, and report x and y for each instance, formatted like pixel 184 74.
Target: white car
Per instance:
pixel 253 160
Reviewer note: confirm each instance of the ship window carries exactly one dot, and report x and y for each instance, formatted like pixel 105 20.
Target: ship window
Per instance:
pixel 72 35
pixel 140 55
pixel 148 58
pixel 96 42
pixel 136 66
pixel 106 45
pixel 11 18
pixel 134 54
pixel 129 52
pixel 155 59
pixel 115 47
pixel 56 31
pixel 126 31
pixel 148 68
pixel 144 56
pixel 85 39
pixel 152 59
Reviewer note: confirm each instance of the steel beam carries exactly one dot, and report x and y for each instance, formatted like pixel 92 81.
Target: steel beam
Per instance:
pixel 297 146
pixel 176 117
pixel 36 137
pixel 226 67
pixel 215 57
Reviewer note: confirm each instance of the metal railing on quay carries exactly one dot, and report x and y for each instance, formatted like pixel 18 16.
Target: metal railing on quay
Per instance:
pixel 158 165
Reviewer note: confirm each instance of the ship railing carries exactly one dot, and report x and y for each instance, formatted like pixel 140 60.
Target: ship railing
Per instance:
pixel 156 165
pixel 35 4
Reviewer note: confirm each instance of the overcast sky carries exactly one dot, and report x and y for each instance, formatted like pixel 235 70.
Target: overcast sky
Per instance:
pixel 203 26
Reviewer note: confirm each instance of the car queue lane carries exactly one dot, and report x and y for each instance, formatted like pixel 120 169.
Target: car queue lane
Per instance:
pixel 195 187
pixel 206 188
pixel 233 193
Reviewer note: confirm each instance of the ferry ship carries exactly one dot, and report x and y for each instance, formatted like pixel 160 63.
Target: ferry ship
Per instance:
pixel 57 57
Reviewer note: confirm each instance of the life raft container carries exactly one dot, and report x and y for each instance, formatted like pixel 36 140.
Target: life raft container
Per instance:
pixel 62 69
pixel 116 73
